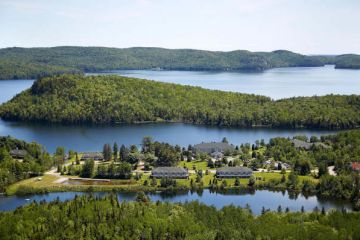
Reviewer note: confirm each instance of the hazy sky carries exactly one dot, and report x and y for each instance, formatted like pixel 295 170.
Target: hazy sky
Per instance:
pixel 305 26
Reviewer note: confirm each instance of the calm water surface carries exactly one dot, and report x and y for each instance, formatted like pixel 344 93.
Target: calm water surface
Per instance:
pixel 92 138
pixel 276 83
pixel 256 200
pixel 9 88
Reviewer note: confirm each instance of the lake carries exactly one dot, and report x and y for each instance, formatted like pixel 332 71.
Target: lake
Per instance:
pixel 256 200
pixel 276 83
pixel 93 137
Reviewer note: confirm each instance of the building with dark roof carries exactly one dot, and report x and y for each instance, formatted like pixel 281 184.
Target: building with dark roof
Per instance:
pixel 169 172
pixel 92 155
pixel 213 147
pixel 18 154
pixel 233 172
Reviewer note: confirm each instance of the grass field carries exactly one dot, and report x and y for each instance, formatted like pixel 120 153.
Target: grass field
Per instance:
pixel 45 182
pixel 199 165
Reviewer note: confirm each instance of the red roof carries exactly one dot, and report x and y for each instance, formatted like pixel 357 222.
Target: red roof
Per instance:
pixel 355 165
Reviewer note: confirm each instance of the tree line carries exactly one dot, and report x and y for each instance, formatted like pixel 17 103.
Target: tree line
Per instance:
pixel 24 63
pixel 89 217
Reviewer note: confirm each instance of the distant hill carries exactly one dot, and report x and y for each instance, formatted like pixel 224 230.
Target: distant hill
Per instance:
pixel 22 63
pixel 349 61
pixel 114 99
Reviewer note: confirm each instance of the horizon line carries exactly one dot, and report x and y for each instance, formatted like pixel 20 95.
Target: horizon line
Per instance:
pixel 198 49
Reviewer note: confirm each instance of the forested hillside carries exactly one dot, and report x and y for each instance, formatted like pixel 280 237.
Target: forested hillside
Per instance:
pixel 107 218
pixel 20 63
pixel 114 99
pixel 350 61
pixel 35 162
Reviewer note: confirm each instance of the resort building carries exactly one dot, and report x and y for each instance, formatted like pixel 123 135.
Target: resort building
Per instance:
pixel 97 156
pixel 213 147
pixel 233 172
pixel 18 154
pixel 169 172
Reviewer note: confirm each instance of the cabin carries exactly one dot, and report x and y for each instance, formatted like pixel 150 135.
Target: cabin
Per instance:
pixel 97 156
pixel 18 154
pixel 355 166
pixel 169 172
pixel 233 172
pixel 212 147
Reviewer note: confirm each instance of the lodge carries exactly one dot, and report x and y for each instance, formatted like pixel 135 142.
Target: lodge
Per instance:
pixel 169 172
pixel 97 156
pixel 18 154
pixel 213 147
pixel 233 172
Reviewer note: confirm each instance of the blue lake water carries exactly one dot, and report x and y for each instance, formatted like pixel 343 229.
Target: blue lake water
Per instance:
pixel 92 138
pixel 9 88
pixel 256 200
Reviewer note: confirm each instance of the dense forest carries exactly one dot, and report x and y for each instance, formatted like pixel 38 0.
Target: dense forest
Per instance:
pixel 87 217
pixel 25 63
pixel 34 163
pixel 350 61
pixel 114 99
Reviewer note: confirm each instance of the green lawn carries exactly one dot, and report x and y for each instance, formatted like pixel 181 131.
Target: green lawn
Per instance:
pixel 46 181
pixel 200 165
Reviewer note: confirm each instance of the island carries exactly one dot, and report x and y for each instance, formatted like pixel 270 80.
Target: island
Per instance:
pixel 109 99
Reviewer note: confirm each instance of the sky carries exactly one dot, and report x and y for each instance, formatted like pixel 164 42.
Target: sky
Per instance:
pixel 304 26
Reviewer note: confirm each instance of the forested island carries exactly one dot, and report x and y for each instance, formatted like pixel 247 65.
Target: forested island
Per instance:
pixel 114 99
pixel 25 63
pixel 108 218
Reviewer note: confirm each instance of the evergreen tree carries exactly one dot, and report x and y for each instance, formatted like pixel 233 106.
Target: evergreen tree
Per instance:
pixel 88 169
pixel 124 153
pixel 107 152
pixel 77 160
pixel 115 151
pixel 237 182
